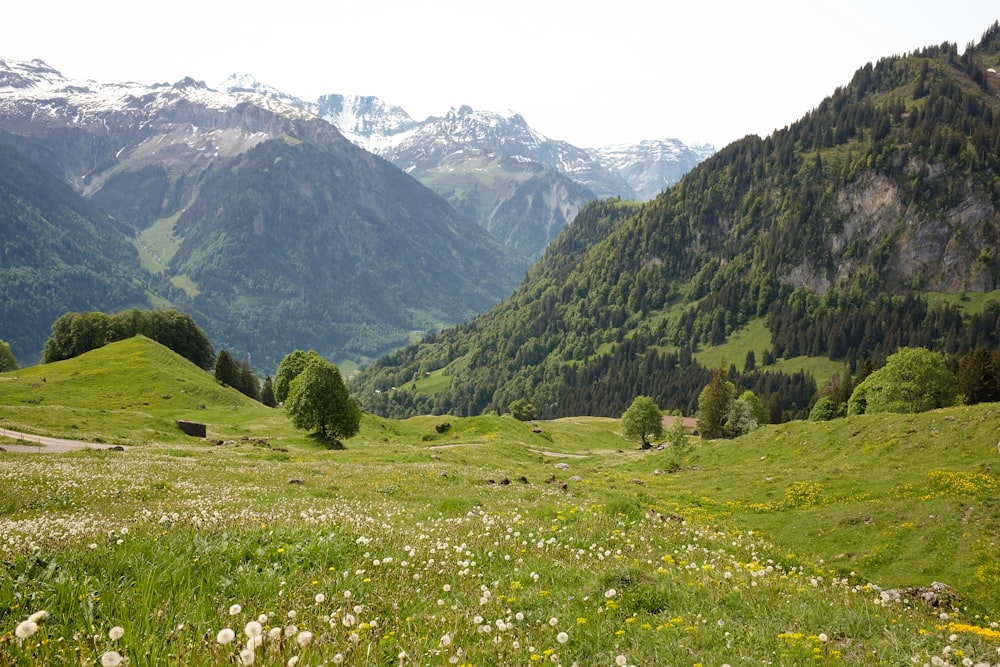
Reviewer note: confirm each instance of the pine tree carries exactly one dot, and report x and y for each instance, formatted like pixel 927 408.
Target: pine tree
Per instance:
pixel 226 370
pixel 714 404
pixel 267 394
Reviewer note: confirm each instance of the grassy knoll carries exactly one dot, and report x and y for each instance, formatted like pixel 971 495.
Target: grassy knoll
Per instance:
pixel 483 542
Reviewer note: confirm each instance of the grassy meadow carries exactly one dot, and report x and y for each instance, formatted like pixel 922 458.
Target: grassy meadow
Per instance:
pixel 491 543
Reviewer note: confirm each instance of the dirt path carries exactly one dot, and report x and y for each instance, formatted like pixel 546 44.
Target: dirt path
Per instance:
pixel 40 444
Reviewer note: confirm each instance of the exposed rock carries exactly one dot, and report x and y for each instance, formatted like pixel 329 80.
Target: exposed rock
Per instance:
pixel 196 429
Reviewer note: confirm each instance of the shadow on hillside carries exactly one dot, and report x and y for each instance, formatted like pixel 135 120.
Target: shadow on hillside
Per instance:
pixel 325 442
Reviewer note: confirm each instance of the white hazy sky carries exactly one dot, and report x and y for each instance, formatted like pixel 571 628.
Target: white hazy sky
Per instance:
pixel 588 73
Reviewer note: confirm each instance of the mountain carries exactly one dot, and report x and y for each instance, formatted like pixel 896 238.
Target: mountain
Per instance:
pixel 519 184
pixel 252 214
pixel 58 253
pixel 827 237
pixel 651 166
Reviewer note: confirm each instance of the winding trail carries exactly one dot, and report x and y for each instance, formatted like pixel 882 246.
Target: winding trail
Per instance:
pixel 41 444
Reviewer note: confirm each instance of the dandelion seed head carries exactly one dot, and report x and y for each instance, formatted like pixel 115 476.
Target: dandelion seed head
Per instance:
pixel 320 598
pixel 253 629
pixel 562 638
pixel 116 633
pixel 111 659
pixel 25 629
pixel 304 638
pixel 294 660
pixel 235 609
pixel 38 616
pixel 246 656
pixel 610 593
pixel 225 636
pixel 621 660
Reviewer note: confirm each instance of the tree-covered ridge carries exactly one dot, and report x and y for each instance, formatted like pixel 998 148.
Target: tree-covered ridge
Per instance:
pixel 76 333
pixel 891 186
pixel 57 253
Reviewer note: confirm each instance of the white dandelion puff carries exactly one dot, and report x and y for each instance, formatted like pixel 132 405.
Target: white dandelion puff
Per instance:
pixel 253 629
pixel 116 633
pixel 111 659
pixel 225 636
pixel 25 629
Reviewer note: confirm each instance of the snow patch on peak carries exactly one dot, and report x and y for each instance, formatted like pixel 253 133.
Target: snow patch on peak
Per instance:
pixel 29 74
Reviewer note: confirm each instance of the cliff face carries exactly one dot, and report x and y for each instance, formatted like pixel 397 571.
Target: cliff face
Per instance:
pixel 883 230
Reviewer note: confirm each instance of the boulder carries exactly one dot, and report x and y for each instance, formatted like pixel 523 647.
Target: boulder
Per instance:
pixel 197 429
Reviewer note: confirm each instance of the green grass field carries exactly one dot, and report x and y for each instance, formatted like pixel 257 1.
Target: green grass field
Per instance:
pixel 493 542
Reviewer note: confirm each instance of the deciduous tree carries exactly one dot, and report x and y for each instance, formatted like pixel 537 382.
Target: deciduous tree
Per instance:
pixel 290 367
pixel 522 409
pixel 7 360
pixel 318 398
pixel 642 421
pixel 912 380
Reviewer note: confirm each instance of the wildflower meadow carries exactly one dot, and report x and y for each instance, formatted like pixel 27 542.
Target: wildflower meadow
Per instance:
pixel 502 543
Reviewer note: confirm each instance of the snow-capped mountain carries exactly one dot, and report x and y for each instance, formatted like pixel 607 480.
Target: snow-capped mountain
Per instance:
pixel 367 121
pixel 248 211
pixel 651 166
pixel 480 162
pixel 464 129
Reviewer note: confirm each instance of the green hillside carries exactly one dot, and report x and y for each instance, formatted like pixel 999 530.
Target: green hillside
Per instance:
pixel 776 546
pixel 837 232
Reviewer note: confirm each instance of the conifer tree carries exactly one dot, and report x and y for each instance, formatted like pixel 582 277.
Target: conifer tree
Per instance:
pixel 267 394
pixel 226 370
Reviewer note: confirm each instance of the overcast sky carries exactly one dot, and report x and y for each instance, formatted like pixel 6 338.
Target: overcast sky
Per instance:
pixel 588 73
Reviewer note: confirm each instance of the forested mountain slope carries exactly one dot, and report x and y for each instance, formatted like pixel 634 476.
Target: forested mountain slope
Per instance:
pixel 58 253
pixel 256 217
pixel 831 229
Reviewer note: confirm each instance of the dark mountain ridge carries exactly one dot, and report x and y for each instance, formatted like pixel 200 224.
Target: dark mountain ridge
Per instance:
pixel 890 186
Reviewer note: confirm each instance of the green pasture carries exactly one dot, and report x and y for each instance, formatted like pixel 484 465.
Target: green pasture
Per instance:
pixel 481 541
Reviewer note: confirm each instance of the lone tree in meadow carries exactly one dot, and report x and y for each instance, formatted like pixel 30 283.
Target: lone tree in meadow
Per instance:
pixel 914 379
pixel 319 399
pixel 290 367
pixel 642 421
